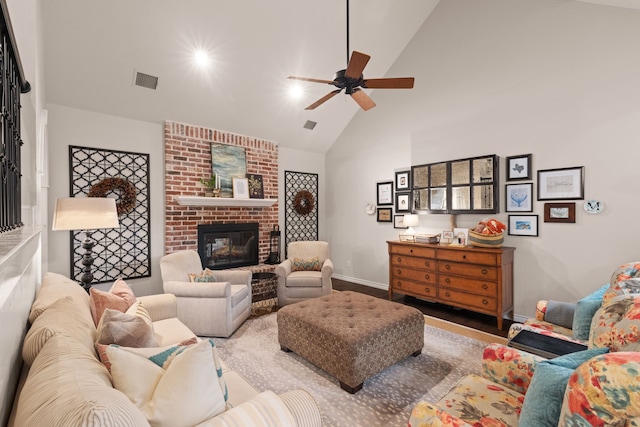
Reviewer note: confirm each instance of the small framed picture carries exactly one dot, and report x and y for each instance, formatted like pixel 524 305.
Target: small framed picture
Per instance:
pixel 240 188
pixel 385 193
pixel 256 190
pixel 385 215
pixel 560 212
pixel 447 235
pixel 403 202
pixel 403 181
pixel 523 225
pixel 461 236
pixel 398 222
pixel 519 167
pixel 518 197
pixel 561 184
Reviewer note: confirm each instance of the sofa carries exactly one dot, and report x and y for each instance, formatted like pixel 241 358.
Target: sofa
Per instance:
pixel 66 382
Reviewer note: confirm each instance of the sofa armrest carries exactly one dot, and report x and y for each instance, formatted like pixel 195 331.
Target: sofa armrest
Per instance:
pixel 509 366
pixel 303 407
pixel 283 269
pixel 198 289
pixel 427 414
pixel 327 268
pixel 160 306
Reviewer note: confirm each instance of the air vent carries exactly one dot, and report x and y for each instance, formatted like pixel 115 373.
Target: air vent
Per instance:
pixel 146 80
pixel 310 125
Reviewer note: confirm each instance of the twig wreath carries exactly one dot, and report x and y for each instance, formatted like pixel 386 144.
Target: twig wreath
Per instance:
pixel 127 197
pixel 304 202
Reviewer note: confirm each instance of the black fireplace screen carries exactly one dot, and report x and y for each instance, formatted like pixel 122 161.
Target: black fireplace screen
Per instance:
pixel 228 245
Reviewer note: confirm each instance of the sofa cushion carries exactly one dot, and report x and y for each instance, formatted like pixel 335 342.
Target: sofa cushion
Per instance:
pixel 159 380
pixel 625 272
pixel 55 286
pixel 63 316
pixel 125 329
pixel 560 312
pixel 68 386
pixel 617 324
pixel 304 264
pixel 120 297
pixel 585 309
pixel 543 401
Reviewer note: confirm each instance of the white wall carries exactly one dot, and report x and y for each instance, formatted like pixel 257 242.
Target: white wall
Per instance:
pixel 558 79
pixel 68 126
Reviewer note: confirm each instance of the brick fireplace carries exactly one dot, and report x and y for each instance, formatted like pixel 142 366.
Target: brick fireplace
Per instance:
pixel 187 150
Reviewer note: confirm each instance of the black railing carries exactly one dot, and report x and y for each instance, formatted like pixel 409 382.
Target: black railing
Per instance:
pixel 12 84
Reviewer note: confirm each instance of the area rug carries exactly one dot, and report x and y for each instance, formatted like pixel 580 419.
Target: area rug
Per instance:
pixel 385 400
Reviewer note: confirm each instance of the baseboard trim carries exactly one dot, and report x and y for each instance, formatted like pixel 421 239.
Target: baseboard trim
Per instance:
pixel 355 280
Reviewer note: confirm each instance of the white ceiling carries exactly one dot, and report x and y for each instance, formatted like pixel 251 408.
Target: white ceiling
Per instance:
pixel 93 47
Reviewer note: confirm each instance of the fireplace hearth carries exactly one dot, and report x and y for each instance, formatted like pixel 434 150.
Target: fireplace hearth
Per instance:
pixel 223 246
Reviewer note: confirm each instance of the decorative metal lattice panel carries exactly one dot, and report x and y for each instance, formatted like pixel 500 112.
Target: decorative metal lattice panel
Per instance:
pixel 118 252
pixel 297 226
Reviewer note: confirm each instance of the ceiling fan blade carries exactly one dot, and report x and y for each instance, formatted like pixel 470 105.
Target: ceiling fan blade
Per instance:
pixel 323 99
pixel 363 100
pixel 330 82
pixel 356 64
pixel 392 83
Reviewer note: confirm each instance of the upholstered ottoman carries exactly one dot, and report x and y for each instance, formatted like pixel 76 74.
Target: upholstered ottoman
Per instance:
pixel 350 335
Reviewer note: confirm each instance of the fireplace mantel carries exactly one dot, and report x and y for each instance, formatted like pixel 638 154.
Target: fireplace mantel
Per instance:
pixel 223 201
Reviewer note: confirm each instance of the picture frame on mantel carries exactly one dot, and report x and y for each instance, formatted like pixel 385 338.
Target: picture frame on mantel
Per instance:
pixel 256 188
pixel 240 188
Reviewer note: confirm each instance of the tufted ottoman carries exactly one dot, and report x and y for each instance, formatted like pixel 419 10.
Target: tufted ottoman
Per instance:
pixel 350 335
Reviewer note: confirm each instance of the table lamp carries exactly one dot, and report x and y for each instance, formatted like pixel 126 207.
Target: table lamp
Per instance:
pixel 87 214
pixel 411 220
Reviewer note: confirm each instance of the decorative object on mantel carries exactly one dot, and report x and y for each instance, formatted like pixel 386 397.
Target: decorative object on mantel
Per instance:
pixel 127 198
pixel 303 202
pixel 256 189
pixel 228 161
pixel 86 214
pixel 240 188
pixel 488 233
pixel 212 186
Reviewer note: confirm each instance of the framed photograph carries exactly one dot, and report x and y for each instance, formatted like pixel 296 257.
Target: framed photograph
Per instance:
pixel 519 167
pixel 240 188
pixel 403 181
pixel 523 225
pixel 385 214
pixel 561 184
pixel 385 193
pixel 403 202
pixel 518 197
pixel 447 235
pixel 560 212
pixel 461 236
pixel 398 222
pixel 256 190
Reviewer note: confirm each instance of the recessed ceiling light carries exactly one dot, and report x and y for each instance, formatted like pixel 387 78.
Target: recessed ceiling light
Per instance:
pixel 201 57
pixel 296 91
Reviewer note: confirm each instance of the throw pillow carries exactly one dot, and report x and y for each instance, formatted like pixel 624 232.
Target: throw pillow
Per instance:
pixel 626 271
pixel 159 380
pixel 615 325
pixel 301 264
pixel 120 297
pixel 125 329
pixel 206 276
pixel 543 400
pixel 585 310
pixel 560 313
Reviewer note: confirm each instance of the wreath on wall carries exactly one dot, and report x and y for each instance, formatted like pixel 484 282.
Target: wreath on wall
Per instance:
pixel 127 193
pixel 304 202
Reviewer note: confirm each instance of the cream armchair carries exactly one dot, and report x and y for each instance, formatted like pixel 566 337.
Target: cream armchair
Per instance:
pixel 211 309
pixel 296 285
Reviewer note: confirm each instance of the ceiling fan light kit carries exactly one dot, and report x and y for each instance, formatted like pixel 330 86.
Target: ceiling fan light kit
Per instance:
pixel 352 81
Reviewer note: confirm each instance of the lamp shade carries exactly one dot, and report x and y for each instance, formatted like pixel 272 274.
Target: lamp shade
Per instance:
pixel 411 220
pixel 85 213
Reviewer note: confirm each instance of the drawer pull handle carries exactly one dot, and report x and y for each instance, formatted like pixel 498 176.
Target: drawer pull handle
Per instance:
pixel 447 266
pixel 484 271
pixel 399 260
pixel 427 290
pixel 484 286
pixel 464 257
pixel 399 284
pixel 485 302
pixel 411 250
pixel 426 276
pixel 399 272
pixel 427 264
pixel 447 280
pixel 447 294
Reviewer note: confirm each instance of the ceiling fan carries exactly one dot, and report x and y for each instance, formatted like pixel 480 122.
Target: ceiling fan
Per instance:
pixel 352 80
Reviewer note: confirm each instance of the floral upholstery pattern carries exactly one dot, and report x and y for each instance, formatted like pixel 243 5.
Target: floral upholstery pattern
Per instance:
pixel 544 328
pixel 474 401
pixel 616 325
pixel 509 366
pixel 604 391
pixel 630 270
pixel 541 309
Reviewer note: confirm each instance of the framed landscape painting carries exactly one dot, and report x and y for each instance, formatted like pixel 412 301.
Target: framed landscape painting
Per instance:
pixel 228 161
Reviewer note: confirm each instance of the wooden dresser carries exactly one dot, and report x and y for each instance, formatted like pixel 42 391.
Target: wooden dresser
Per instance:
pixel 476 279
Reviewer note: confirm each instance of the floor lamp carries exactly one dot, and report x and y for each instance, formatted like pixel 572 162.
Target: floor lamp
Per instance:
pixel 87 214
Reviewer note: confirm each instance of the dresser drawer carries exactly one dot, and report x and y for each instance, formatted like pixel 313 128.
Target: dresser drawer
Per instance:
pixel 413 250
pixel 419 289
pixel 416 275
pixel 482 287
pixel 467 257
pixel 408 261
pixel 467 300
pixel 481 272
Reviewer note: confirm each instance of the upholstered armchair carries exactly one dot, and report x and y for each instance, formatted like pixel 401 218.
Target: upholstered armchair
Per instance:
pixel 214 307
pixel 306 273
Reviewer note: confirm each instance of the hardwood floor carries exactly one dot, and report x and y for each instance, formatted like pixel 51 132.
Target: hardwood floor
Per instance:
pixel 481 322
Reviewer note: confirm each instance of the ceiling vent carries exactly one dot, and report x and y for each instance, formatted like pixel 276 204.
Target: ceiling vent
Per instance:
pixel 145 80
pixel 310 125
